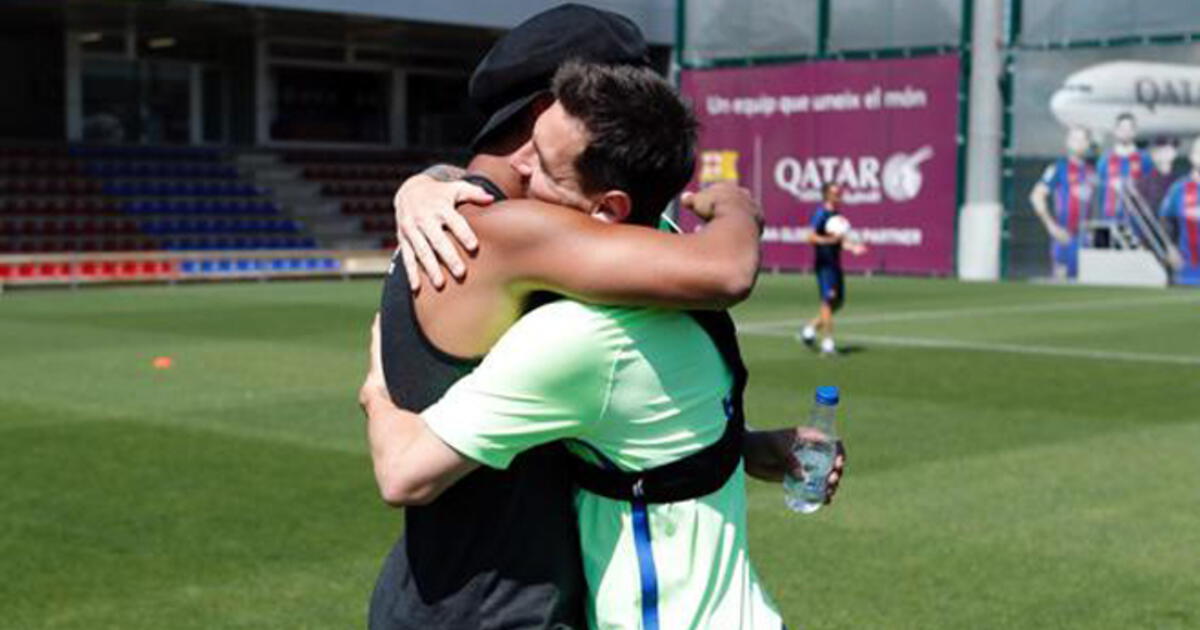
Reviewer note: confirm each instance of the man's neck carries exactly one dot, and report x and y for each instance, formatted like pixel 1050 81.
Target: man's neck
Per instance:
pixel 497 169
pixel 1123 149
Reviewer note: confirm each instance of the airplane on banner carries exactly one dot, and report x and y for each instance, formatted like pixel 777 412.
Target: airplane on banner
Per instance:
pixel 1164 98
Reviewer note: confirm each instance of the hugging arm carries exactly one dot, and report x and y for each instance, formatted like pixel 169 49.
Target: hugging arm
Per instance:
pixel 412 465
pixel 546 247
pixel 542 382
pixel 424 206
pixel 579 256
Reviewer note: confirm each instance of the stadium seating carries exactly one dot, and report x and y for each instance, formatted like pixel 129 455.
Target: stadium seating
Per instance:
pixel 364 181
pixel 60 201
pixel 79 198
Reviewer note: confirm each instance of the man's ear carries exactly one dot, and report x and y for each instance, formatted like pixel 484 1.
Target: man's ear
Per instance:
pixel 613 206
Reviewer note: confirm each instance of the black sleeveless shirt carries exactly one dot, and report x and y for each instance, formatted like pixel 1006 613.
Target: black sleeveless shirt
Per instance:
pixel 497 550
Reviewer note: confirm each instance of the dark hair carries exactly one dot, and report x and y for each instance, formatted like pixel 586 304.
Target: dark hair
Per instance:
pixel 642 136
pixel 1126 116
pixel 828 186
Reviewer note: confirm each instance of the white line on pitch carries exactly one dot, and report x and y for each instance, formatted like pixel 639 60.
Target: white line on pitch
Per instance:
pixel 986 310
pixel 1053 351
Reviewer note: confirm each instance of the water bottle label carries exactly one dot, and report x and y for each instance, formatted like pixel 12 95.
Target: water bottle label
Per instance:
pixel 807 494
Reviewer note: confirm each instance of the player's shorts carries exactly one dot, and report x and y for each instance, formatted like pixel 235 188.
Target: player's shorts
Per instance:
pixel 831 286
pixel 1066 255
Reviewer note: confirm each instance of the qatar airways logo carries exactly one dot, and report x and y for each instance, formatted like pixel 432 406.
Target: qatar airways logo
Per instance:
pixel 864 179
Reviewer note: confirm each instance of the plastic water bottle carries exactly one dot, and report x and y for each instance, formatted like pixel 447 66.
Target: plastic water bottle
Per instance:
pixel 815 457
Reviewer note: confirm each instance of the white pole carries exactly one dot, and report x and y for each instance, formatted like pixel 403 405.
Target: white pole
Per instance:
pixel 980 218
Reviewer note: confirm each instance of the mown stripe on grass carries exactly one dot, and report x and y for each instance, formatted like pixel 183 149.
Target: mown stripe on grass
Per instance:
pixel 1124 303
pixel 1009 348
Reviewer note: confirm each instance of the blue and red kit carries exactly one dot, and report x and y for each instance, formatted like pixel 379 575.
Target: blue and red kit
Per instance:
pixel 1073 184
pixel 1115 172
pixel 1181 209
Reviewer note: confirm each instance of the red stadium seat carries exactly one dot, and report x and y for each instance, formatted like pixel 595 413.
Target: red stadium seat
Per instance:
pixel 52 270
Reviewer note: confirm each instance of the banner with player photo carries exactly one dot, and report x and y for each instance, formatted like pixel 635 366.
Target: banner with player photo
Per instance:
pixel 1105 165
pixel 884 130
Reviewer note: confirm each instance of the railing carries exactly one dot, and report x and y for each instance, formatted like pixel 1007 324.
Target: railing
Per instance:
pixel 75 269
pixel 1149 230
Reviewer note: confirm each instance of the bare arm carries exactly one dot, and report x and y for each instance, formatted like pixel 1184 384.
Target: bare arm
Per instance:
pixel 823 239
pixel 853 246
pixel 545 247
pixel 768 456
pixel 423 216
pixel 413 466
pixel 1039 197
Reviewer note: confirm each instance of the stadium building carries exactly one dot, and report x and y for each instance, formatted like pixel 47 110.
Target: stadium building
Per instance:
pixel 273 126
pixel 181 447
pixel 257 127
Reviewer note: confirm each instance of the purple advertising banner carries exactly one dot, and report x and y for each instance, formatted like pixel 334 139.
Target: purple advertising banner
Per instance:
pixel 885 130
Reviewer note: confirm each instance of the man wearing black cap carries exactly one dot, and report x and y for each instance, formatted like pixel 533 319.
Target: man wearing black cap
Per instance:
pixel 512 85
pixel 647 390
pixel 500 548
pixel 496 550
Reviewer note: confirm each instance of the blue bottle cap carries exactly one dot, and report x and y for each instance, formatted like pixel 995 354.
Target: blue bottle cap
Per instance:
pixel 827 395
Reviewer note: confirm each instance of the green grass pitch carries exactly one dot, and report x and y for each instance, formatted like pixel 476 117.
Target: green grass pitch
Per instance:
pixel 1021 456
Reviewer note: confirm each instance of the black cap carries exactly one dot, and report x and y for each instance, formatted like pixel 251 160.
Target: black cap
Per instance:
pixel 521 64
